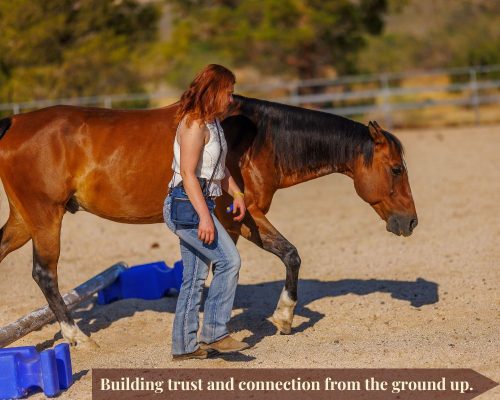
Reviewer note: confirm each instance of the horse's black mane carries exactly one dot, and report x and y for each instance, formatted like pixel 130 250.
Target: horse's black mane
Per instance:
pixel 307 139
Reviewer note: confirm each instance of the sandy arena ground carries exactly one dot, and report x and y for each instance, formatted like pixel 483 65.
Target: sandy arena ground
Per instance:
pixel 367 298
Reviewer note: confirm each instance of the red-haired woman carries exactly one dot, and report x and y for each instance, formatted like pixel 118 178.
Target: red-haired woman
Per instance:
pixel 199 177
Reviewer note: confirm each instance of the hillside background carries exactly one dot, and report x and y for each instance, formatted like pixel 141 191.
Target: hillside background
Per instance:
pixel 60 49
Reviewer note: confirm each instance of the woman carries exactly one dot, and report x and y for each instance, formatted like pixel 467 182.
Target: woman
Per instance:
pixel 199 152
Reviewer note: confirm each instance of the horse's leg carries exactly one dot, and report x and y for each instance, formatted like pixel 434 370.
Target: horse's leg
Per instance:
pixel 257 228
pixel 46 236
pixel 234 236
pixel 13 234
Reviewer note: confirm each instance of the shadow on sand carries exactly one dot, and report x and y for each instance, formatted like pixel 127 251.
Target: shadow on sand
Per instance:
pixel 258 302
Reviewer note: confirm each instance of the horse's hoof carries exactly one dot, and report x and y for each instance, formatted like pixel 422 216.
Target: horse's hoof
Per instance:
pixel 284 327
pixel 76 338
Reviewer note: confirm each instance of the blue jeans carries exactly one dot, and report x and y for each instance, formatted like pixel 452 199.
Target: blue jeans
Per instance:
pixel 196 257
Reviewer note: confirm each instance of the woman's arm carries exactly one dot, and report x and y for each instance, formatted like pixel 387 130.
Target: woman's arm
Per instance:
pixel 230 186
pixel 191 142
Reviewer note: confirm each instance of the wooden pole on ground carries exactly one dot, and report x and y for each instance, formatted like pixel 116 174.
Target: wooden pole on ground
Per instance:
pixel 38 318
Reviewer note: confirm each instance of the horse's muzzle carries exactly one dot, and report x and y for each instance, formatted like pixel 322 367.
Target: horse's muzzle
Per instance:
pixel 402 224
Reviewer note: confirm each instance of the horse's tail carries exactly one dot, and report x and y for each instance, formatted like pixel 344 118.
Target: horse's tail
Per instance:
pixel 5 124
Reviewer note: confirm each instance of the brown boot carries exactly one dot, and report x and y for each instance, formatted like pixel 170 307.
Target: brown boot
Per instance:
pixel 199 353
pixel 225 345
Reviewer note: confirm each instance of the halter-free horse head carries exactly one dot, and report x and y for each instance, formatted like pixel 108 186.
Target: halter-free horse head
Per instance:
pixel 381 179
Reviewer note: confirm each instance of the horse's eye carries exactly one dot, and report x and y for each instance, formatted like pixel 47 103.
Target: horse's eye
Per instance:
pixel 397 170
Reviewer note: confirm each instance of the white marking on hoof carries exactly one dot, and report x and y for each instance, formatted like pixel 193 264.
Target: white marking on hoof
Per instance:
pixel 76 337
pixel 283 315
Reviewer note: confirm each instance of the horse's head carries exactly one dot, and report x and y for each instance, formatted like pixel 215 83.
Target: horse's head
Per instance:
pixel 384 183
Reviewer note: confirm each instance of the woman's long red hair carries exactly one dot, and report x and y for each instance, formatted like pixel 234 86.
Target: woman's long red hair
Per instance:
pixel 206 97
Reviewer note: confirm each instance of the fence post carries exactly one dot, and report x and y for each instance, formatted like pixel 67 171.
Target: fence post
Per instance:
pixel 15 108
pixel 293 88
pixel 474 94
pixel 386 105
pixel 108 103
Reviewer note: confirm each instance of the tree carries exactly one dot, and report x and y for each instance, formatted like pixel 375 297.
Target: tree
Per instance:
pixel 66 48
pixel 426 34
pixel 295 37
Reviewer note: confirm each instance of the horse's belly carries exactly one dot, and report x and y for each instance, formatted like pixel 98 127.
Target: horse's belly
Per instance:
pixel 136 200
pixel 131 213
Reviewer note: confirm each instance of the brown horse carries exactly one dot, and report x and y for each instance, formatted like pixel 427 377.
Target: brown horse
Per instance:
pixel 116 164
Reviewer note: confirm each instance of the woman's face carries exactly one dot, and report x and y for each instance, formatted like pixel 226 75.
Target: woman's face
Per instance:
pixel 229 97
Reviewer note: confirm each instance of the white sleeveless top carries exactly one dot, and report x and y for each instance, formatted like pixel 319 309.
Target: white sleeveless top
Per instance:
pixel 207 162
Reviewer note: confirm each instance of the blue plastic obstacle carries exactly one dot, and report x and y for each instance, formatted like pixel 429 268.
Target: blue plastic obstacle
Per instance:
pixel 146 281
pixel 24 370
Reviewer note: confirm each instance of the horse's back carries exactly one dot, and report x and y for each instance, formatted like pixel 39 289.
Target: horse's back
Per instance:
pixel 113 163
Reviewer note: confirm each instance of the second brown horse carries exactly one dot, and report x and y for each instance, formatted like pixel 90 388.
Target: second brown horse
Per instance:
pixel 116 164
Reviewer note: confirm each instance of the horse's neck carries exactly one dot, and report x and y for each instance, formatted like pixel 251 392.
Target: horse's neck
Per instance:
pixel 287 179
pixel 290 179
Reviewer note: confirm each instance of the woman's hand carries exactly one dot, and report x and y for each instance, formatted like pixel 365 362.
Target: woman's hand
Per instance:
pixel 239 206
pixel 206 229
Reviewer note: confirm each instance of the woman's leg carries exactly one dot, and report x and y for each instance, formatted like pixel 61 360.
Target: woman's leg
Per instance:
pixel 220 299
pixel 195 272
pixel 186 321
pixel 226 259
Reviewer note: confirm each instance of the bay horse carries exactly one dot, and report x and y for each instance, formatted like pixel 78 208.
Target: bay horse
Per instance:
pixel 117 163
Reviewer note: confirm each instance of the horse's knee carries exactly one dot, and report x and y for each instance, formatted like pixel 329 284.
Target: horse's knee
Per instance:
pixel 292 262
pixel 42 276
pixel 292 259
pixel 43 272
pixel 46 278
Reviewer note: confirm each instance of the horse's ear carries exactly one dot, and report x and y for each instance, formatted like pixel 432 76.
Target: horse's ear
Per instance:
pixel 376 132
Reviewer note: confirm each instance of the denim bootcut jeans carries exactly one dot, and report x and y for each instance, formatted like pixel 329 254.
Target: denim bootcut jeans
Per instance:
pixel 196 257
